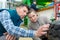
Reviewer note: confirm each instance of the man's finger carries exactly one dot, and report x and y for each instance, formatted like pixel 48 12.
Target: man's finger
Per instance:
pixel 46 26
pixel 12 38
pixel 43 33
pixel 5 33
pixel 44 29
pixel 7 36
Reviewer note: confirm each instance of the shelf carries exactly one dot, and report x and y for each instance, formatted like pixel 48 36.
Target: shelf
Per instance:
pixel 43 9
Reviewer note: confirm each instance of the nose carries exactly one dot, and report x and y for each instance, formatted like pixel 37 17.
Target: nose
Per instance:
pixel 32 18
pixel 25 14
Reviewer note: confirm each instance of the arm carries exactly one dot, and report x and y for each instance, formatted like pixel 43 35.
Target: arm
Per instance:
pixel 11 28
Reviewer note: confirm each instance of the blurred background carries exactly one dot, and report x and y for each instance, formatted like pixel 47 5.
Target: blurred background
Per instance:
pixel 43 7
pixel 9 4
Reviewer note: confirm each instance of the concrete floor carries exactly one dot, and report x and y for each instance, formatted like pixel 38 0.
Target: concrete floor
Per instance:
pixel 26 38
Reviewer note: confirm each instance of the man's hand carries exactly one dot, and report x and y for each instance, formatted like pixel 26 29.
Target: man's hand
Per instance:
pixel 9 37
pixel 42 30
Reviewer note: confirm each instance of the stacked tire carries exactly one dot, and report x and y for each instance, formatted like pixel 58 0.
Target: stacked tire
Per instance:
pixel 54 31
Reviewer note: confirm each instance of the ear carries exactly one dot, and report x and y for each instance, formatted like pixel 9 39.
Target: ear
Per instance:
pixel 37 15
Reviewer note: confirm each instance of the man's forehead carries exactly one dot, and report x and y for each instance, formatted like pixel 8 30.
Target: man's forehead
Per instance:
pixel 25 8
pixel 32 13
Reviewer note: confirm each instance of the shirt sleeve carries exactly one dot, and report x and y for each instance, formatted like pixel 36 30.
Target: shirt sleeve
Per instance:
pixel 11 28
pixel 30 26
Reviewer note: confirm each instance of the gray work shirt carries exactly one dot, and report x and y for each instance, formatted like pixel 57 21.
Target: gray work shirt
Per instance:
pixel 35 25
pixel 40 21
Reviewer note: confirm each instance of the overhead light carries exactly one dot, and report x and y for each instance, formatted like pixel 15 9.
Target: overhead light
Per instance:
pixel 57 0
pixel 18 0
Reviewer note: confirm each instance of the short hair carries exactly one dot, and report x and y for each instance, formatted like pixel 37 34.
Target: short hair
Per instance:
pixel 31 10
pixel 24 5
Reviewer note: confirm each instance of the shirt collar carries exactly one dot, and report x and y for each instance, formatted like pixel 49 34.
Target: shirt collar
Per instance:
pixel 16 15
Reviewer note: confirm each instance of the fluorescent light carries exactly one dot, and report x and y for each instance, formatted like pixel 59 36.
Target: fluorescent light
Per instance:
pixel 18 0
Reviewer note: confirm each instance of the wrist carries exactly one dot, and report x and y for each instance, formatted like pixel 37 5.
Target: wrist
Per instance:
pixel 37 34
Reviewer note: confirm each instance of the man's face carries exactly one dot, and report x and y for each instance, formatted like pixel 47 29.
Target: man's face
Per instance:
pixel 22 11
pixel 33 17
